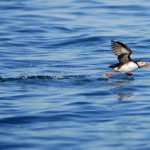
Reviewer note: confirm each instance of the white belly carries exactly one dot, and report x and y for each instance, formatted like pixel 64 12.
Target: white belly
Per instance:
pixel 127 68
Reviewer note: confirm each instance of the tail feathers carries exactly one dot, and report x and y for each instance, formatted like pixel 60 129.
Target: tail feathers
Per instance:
pixel 113 66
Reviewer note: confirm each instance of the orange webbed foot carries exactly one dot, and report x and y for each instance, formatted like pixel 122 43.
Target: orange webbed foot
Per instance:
pixel 109 74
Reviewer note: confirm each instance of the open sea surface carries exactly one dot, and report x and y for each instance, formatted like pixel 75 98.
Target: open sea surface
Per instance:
pixel 53 56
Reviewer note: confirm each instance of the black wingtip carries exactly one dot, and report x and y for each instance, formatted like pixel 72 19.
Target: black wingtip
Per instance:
pixel 118 42
pixel 112 42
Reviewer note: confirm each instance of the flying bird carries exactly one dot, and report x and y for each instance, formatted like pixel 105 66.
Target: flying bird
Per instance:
pixel 126 64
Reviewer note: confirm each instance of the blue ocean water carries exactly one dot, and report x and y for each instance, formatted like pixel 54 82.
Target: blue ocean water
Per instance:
pixel 53 55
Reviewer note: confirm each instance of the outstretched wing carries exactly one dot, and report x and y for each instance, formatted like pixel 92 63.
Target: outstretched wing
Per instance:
pixel 122 51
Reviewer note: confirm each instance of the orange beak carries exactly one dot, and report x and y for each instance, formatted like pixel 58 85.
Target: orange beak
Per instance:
pixel 146 65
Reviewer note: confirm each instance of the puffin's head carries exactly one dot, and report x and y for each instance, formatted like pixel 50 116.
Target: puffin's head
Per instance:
pixel 142 64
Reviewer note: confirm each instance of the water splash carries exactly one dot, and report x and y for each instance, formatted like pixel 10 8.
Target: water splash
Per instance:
pixel 24 76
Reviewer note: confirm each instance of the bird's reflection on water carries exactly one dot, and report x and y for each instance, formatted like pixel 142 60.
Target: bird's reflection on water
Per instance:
pixel 123 88
pixel 124 96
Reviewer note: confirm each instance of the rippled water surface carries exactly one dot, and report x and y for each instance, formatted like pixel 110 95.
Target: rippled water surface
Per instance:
pixel 53 55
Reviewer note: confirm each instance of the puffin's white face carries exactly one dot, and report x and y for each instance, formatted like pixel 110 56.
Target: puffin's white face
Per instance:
pixel 142 64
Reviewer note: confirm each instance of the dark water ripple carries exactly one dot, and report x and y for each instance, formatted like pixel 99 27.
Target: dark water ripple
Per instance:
pixel 52 91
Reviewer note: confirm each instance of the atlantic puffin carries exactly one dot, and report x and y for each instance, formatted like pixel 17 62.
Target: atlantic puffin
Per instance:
pixel 126 64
